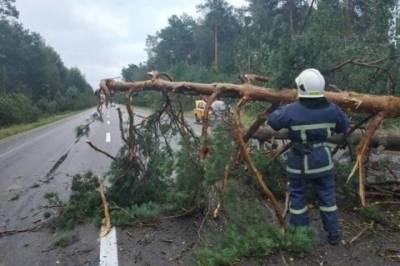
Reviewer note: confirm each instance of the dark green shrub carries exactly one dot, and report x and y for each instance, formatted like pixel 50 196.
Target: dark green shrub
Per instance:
pixel 129 215
pixel 371 213
pixel 84 204
pixel 17 108
pixel 249 232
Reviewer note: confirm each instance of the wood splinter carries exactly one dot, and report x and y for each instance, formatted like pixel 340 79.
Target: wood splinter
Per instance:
pixel 362 151
pixel 106 227
pixel 368 227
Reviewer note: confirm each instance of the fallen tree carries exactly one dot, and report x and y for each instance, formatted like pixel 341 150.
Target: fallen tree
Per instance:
pixel 380 107
pixel 350 101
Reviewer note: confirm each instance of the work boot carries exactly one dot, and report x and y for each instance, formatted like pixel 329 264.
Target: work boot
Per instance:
pixel 334 239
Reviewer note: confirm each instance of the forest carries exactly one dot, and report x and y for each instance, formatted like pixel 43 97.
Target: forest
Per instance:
pixel 352 42
pixel 33 78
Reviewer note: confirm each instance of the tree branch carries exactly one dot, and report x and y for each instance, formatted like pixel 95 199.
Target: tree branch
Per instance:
pixel 100 150
pixel 106 228
pixel 204 131
pixel 362 150
pixel 121 125
pixel 247 158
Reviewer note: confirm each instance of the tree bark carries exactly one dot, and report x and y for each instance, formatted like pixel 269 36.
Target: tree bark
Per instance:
pixel 291 8
pixel 390 140
pixel 351 101
pixel 216 47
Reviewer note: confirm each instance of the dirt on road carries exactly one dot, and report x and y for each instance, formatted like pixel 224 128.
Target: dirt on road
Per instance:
pixel 171 242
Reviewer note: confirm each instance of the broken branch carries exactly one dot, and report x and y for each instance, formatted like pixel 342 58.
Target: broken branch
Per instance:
pixel 247 158
pixel 100 150
pixel 203 150
pixel 106 228
pixel 368 227
pixel 362 150
pixel 121 125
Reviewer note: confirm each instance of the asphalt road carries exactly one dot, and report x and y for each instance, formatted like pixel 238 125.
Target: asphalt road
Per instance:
pixel 44 160
pixel 41 161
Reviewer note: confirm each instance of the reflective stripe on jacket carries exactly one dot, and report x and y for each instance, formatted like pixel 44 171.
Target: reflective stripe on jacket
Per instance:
pixel 309 128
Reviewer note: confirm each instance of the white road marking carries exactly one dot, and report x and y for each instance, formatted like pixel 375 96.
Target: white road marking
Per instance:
pixel 108 137
pixel 108 122
pixel 108 249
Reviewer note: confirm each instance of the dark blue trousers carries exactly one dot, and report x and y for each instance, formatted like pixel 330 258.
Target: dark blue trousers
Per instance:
pixel 325 189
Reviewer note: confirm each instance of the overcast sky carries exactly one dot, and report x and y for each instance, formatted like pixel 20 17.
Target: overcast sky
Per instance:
pixel 101 36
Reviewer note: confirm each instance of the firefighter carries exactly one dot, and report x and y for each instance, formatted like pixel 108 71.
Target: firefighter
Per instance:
pixel 310 121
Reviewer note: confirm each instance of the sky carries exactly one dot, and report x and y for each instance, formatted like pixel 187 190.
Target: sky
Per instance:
pixel 102 36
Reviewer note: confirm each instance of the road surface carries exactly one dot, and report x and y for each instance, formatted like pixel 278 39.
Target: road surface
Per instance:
pixel 41 161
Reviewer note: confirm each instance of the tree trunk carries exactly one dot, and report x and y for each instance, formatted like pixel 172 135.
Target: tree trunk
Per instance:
pixel 390 140
pixel 350 101
pixel 291 8
pixel 349 7
pixel 216 47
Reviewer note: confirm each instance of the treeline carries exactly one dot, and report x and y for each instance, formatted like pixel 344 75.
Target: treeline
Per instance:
pixel 33 79
pixel 353 42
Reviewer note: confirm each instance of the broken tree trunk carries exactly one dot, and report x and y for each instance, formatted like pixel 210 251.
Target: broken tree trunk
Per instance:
pixel 352 101
pixel 389 140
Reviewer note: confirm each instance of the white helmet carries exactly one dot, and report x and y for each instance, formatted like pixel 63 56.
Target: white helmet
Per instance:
pixel 310 84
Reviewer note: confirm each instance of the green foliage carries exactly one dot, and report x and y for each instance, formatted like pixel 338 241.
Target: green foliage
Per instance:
pixel 347 191
pixel 175 45
pixel 7 9
pixel 46 215
pixel 281 38
pixel 222 147
pixel 84 204
pixel 299 239
pixel 235 244
pixel 30 68
pixel 371 213
pixel 189 176
pixel 15 129
pixel 53 199
pixel 82 130
pixel 130 186
pixel 251 240
pixel 16 109
pixel 248 233
pixel 134 213
pixel 129 183
pixel 273 172
pixel 64 240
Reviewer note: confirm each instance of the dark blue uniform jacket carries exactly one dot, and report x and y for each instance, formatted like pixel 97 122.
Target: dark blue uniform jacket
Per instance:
pixel 310 122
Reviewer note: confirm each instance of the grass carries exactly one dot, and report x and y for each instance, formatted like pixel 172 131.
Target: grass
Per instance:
pixel 15 129
pixel 246 118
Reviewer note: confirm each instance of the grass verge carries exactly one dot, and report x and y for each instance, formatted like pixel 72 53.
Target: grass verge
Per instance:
pixel 15 129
